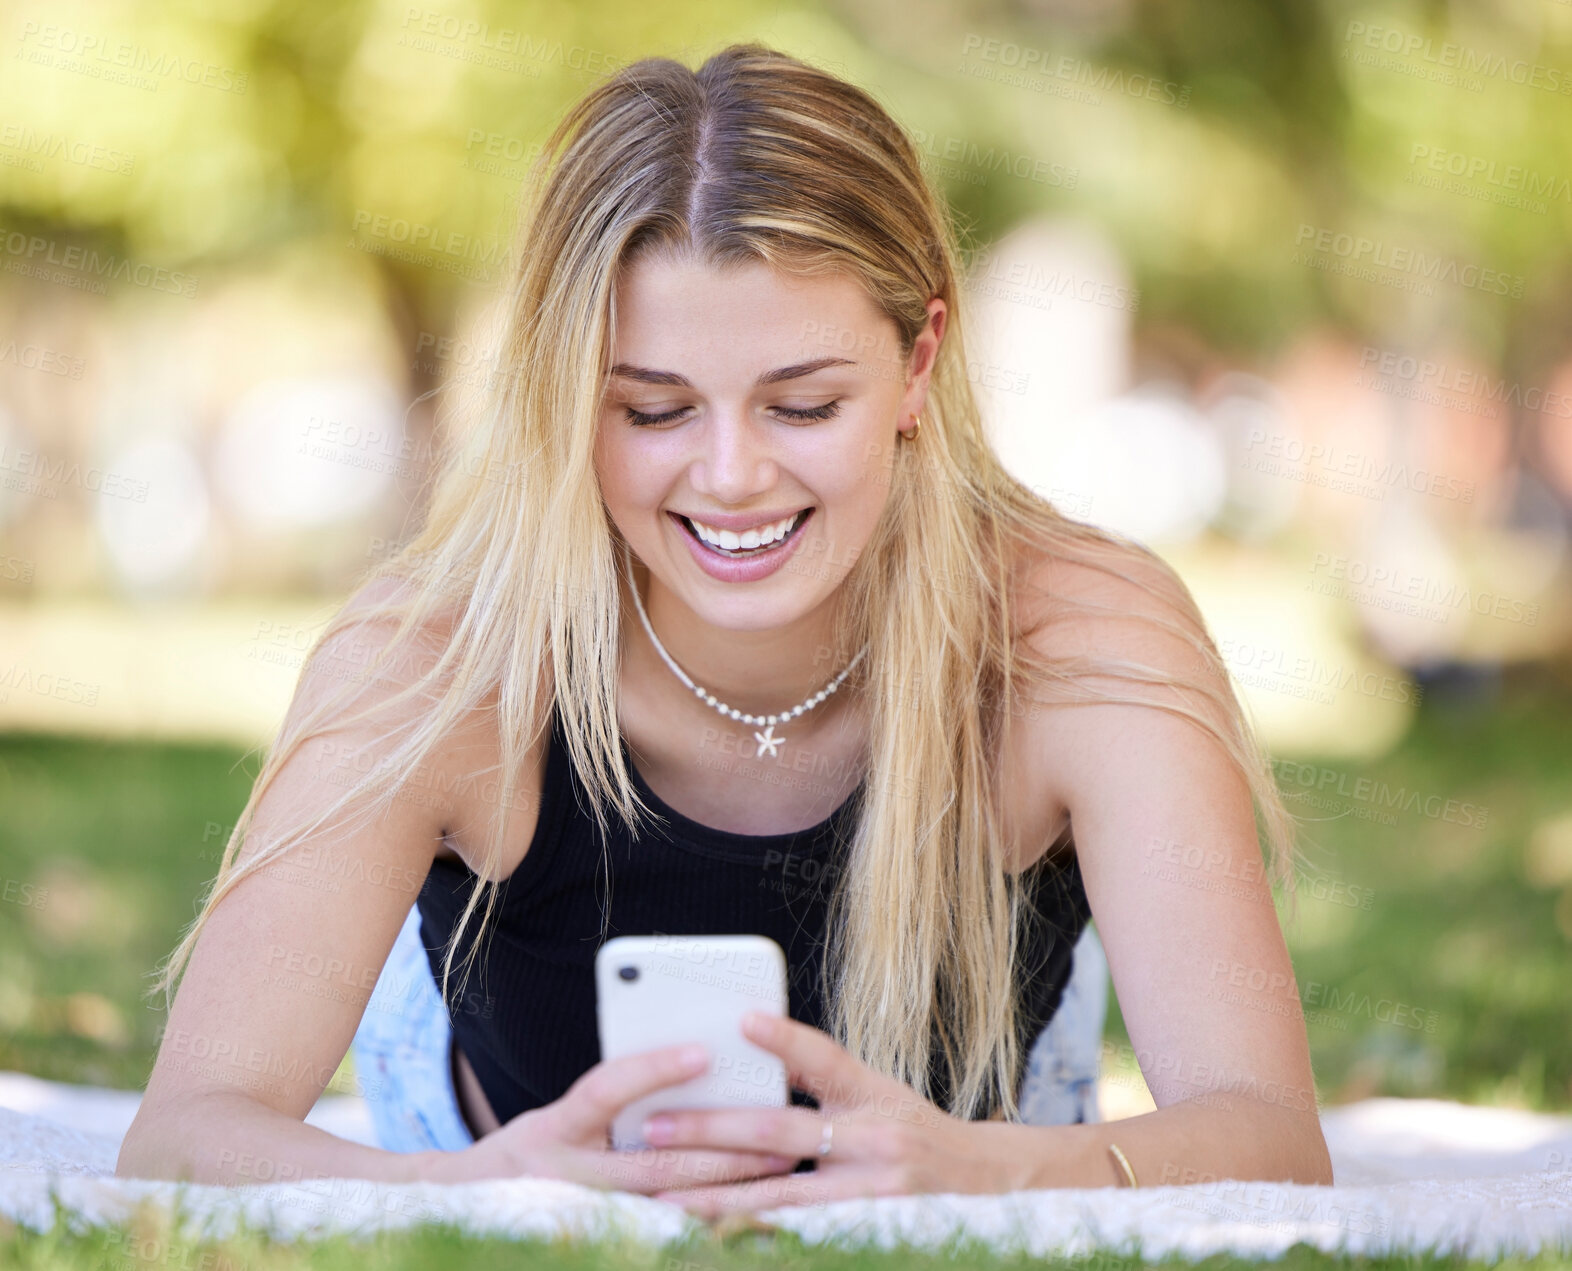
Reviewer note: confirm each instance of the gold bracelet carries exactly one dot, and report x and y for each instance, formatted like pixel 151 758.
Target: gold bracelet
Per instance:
pixel 1123 1162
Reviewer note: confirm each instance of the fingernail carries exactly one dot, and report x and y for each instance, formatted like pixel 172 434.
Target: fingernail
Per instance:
pixel 694 1057
pixel 657 1129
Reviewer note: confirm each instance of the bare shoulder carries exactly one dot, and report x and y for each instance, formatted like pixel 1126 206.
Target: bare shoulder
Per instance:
pixel 358 693
pixel 459 781
pixel 1107 603
pixel 358 666
pixel 1097 590
pixel 1113 600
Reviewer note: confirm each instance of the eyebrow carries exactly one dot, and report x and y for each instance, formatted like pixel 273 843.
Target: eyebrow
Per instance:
pixel 647 376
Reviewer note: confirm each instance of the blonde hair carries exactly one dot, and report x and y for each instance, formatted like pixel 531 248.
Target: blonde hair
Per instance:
pixel 759 157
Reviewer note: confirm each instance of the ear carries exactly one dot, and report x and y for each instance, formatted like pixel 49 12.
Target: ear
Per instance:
pixel 924 354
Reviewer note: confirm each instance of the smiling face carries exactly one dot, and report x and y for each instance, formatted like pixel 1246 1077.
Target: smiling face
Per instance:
pixel 749 398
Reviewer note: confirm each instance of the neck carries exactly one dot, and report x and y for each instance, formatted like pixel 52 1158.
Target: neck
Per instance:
pixel 757 672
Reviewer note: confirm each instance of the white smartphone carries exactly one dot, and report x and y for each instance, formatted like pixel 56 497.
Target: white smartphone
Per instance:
pixel 665 990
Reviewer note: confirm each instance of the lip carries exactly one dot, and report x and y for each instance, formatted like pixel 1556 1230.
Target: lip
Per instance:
pixel 742 521
pixel 745 569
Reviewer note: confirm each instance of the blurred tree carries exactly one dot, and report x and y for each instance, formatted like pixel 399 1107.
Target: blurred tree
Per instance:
pixel 361 122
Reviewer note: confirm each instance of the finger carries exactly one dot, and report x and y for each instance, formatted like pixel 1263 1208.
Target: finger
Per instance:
pixel 815 1061
pixel 592 1102
pixel 651 1169
pixel 790 1131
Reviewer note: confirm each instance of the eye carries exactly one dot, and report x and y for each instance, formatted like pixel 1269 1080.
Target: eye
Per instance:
pixel 639 418
pixel 828 411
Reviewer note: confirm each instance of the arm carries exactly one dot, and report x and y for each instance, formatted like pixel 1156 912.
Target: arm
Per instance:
pixel 233 1139
pixel 1166 836
pixel 281 974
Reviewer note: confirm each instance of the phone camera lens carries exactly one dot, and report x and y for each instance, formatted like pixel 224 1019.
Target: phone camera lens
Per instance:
pixel 628 972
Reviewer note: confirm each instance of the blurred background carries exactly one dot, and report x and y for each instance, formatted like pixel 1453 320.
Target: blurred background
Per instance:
pixel 1281 290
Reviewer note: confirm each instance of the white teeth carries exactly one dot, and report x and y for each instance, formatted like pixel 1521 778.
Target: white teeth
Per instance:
pixel 731 541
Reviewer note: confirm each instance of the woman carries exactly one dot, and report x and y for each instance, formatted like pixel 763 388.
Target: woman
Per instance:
pixel 737 304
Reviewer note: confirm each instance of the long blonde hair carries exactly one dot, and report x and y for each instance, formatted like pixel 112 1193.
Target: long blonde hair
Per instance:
pixel 759 157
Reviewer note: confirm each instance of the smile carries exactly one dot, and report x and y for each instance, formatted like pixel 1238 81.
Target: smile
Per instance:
pixel 754 542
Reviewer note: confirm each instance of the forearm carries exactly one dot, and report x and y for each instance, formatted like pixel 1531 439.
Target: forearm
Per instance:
pixel 232 1140
pixel 1195 1141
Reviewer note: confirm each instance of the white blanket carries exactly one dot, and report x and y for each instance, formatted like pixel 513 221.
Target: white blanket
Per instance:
pixel 1411 1175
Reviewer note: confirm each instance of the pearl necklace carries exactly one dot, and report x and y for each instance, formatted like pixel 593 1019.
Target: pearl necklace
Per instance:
pixel 768 740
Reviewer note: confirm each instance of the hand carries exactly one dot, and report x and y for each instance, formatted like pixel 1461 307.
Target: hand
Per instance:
pixel 570 1139
pixel 888 1140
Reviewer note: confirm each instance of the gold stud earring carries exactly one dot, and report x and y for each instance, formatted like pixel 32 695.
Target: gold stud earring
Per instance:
pixel 912 436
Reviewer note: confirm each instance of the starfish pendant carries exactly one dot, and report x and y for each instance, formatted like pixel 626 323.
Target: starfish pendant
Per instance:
pixel 767 740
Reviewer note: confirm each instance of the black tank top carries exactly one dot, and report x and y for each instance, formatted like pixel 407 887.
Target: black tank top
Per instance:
pixel 526 1021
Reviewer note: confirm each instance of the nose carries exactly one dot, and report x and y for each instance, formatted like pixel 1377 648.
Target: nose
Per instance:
pixel 733 462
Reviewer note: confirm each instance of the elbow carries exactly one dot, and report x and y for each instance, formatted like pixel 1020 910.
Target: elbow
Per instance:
pixel 1310 1162
pixel 132 1162
pixel 1283 1147
pixel 1320 1162
pixel 139 1154
pixel 144 1151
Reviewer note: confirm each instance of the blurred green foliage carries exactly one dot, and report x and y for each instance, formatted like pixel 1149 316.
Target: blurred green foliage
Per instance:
pixel 1283 117
pixel 109 848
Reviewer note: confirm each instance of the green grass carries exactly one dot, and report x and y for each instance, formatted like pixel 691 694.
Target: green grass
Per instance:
pixel 147 1245
pixel 116 843
pixel 1459 932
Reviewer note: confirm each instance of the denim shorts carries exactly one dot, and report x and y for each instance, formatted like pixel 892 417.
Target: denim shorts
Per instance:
pixel 402 1054
pixel 403 1057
